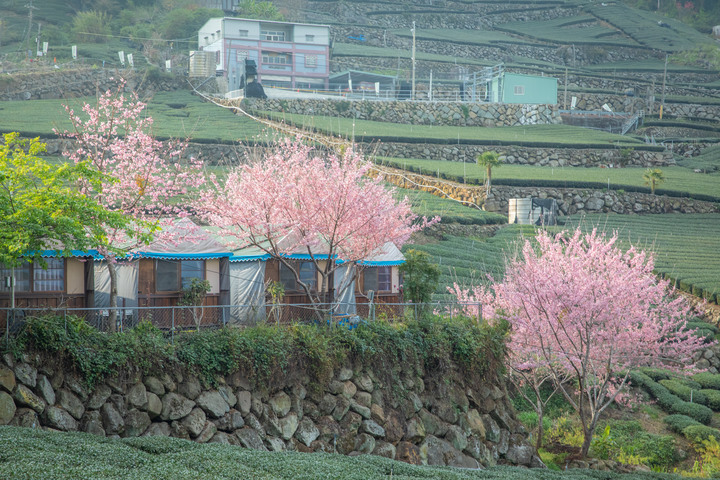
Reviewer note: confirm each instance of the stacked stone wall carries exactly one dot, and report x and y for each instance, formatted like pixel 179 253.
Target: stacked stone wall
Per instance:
pixel 80 82
pixel 570 200
pixel 419 420
pixel 417 113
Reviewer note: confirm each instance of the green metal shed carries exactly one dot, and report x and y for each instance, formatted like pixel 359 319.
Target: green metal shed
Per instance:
pixel 521 88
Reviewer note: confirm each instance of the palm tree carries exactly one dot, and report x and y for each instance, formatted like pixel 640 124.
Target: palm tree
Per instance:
pixel 488 160
pixel 653 177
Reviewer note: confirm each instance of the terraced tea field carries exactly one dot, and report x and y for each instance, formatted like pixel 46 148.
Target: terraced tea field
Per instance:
pixel 530 135
pixel 176 114
pixel 680 181
pixel 686 249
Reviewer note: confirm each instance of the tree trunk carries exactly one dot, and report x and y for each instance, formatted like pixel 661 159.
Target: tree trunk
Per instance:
pixel 112 318
pixel 538 442
pixel 489 180
pixel 587 440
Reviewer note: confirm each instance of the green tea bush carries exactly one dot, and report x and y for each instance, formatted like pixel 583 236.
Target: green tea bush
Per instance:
pixel 708 380
pixel 669 402
pixel 698 433
pixel 713 398
pixel 701 413
pixel 677 423
pixel 686 393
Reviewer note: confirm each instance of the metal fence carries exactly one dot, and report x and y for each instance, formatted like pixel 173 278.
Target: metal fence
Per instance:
pixel 179 319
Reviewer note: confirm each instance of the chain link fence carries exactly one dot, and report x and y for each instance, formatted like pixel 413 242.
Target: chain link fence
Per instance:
pixel 179 319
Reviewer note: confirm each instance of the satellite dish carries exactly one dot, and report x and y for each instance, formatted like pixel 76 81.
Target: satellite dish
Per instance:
pixel 26 95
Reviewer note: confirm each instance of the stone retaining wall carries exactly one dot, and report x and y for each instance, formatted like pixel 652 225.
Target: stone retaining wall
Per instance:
pixel 80 82
pixel 623 103
pixel 514 155
pixel 570 200
pixel 419 420
pixel 417 113
pixel 221 154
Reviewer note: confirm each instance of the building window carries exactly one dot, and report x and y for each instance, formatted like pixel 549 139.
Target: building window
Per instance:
pixel 272 35
pixel 311 61
pixel 174 275
pixel 378 279
pixel 309 38
pixel 217 56
pixel 306 271
pixel 519 90
pixel 243 33
pixel 274 58
pixel 31 277
pixel 207 41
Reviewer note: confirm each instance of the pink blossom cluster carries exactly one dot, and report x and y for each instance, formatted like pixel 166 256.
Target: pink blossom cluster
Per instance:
pixel 295 200
pixel 145 178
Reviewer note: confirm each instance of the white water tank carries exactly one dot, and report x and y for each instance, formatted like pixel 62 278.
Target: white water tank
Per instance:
pixel 520 211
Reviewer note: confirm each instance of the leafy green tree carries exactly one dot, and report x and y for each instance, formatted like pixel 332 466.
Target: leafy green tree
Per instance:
pixel 91 27
pixel 421 276
pixel 488 160
pixel 41 206
pixel 260 10
pixel 653 177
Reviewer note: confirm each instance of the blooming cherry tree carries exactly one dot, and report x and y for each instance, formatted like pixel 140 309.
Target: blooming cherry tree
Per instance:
pixel 146 177
pixel 582 309
pixel 295 200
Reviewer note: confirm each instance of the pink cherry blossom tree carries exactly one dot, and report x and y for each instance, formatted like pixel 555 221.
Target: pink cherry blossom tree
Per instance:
pixel 296 200
pixel 148 180
pixel 582 309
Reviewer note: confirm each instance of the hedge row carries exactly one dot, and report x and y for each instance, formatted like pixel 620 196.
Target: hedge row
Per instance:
pixel 672 403
pixel 708 380
pixel 684 392
pixel 690 429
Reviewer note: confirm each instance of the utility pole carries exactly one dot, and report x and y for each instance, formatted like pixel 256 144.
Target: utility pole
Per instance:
pixel 30 8
pixel 662 102
pixel 565 96
pixel 37 41
pixel 412 57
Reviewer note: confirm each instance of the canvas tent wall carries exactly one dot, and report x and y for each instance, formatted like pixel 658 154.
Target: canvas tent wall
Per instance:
pixel 182 240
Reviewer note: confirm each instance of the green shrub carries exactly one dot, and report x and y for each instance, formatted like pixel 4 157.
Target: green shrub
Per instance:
pixel 267 353
pixel 677 423
pixel 713 398
pixel 684 392
pixel 672 403
pixel 708 380
pixel 696 322
pixel 701 413
pixel 698 433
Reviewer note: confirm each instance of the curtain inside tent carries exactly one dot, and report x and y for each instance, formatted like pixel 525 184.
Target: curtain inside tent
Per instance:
pixel 247 292
pixel 127 273
pixel 344 285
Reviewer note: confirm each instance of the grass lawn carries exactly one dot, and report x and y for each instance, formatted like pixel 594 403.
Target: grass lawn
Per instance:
pixel 531 135
pixel 41 454
pixel 679 180
pixel 176 114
